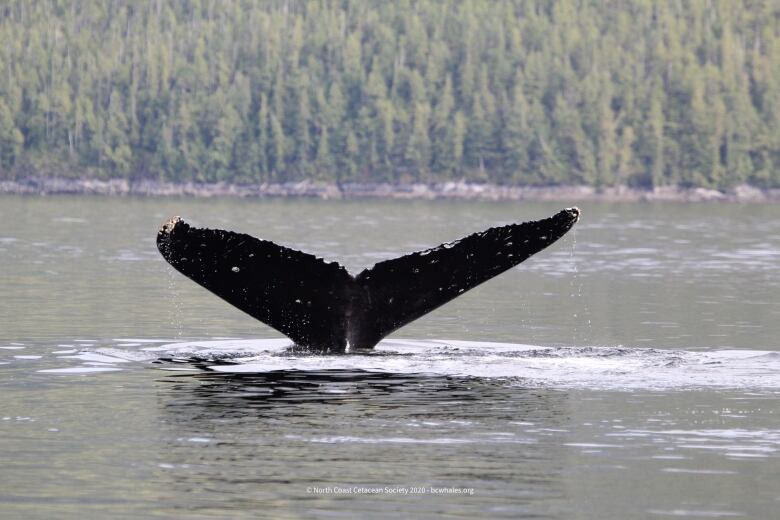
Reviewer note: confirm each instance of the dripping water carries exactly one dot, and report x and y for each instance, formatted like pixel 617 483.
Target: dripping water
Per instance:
pixel 175 307
pixel 581 307
pixel 572 283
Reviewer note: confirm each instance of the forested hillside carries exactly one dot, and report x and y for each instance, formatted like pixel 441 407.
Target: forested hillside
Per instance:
pixel 597 92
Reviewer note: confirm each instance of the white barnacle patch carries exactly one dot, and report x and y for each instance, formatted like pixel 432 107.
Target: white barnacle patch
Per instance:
pixel 235 269
pixel 297 301
pixel 169 226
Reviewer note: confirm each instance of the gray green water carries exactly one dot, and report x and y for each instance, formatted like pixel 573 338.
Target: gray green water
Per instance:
pixel 632 370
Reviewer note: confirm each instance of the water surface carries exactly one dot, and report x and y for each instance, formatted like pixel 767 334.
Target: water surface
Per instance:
pixel 629 371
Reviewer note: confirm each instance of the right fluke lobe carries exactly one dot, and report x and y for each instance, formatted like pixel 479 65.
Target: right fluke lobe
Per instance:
pixel 319 305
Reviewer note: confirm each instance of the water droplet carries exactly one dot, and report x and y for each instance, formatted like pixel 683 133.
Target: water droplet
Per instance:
pixel 175 308
pixel 235 269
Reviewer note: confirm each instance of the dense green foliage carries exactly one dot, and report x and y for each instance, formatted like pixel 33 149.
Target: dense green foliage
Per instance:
pixel 597 92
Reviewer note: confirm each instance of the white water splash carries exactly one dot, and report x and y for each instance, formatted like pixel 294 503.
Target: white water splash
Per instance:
pixel 607 368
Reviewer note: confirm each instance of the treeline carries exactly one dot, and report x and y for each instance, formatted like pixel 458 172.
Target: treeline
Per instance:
pixel 534 92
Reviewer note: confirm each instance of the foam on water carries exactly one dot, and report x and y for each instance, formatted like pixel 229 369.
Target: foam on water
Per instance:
pixel 605 368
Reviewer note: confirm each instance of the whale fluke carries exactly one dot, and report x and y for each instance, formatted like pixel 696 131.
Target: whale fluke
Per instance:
pixel 319 305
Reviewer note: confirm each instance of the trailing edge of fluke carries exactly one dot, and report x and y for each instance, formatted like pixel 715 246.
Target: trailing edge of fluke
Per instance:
pixel 320 306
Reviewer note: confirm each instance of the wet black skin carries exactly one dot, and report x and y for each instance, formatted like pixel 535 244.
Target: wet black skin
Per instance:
pixel 320 306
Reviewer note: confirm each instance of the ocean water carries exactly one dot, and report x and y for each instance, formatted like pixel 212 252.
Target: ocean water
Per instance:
pixel 631 370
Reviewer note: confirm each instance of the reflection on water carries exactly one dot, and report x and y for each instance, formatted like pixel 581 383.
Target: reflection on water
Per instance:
pixel 271 436
pixel 288 390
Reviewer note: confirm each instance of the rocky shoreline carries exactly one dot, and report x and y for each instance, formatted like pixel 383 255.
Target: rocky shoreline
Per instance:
pixel 437 191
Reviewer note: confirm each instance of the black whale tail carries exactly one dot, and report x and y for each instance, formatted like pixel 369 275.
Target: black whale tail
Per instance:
pixel 321 306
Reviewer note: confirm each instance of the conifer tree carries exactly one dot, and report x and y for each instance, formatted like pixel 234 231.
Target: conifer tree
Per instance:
pixel 645 93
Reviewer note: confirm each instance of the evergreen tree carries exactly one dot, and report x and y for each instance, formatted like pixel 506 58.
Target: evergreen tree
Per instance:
pixel 645 93
pixel 11 139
